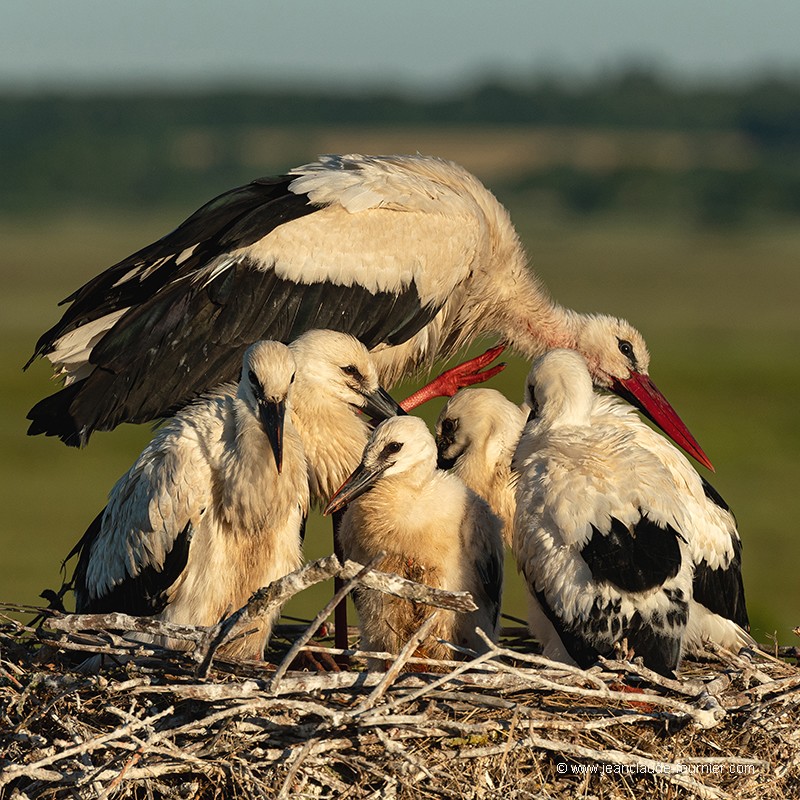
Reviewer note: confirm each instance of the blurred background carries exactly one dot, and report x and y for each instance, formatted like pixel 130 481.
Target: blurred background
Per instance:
pixel 649 155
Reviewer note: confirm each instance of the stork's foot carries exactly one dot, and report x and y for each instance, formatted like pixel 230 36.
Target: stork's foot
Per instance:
pixel 623 651
pixel 315 662
pixel 459 377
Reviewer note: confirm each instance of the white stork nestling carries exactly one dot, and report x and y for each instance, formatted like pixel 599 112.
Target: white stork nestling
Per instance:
pixel 433 530
pixel 476 435
pixel 601 530
pixel 718 611
pixel 410 254
pixel 336 381
pixel 212 509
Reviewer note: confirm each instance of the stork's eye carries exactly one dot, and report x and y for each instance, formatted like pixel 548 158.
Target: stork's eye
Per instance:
pixel 251 376
pixel 291 380
pixel 392 448
pixel 351 370
pixel 626 348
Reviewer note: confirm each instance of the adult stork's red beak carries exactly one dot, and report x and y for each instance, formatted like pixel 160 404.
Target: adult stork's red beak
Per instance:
pixel 641 392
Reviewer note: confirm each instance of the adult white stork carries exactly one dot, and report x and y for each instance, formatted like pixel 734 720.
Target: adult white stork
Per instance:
pixel 432 529
pixel 410 254
pixel 212 509
pixel 615 533
pixel 476 435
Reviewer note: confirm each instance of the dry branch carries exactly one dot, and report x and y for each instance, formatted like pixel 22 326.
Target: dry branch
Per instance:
pixel 510 720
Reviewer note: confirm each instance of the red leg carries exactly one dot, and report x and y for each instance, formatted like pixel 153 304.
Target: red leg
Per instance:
pixel 450 381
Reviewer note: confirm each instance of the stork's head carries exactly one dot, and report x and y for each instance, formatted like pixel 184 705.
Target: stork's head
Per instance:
pixel 559 389
pixel 398 446
pixel 481 418
pixel 268 370
pixel 339 367
pixel 618 360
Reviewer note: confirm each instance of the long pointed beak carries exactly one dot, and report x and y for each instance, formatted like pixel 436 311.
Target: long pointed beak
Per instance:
pixel 361 481
pixel 641 392
pixel 381 405
pixel 272 416
pixel 443 443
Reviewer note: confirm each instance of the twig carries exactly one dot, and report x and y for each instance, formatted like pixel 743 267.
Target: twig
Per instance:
pixel 397 665
pixel 322 615
pixel 262 603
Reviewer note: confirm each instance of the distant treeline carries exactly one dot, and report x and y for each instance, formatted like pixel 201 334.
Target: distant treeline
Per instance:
pixel 131 149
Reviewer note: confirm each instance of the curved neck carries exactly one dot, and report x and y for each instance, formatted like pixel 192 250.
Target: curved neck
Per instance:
pixel 534 322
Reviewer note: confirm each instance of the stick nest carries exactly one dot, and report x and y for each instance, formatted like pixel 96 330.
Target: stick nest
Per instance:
pixel 157 723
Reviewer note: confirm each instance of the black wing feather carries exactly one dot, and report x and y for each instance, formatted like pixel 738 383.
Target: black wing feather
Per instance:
pixel 721 590
pixel 634 559
pixel 585 640
pixel 152 363
pixel 226 222
pixel 577 645
pixel 142 596
pixel 659 649
pixel 490 570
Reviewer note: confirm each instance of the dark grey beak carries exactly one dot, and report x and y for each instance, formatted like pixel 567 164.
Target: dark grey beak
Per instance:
pixel 271 416
pixel 443 443
pixel 380 405
pixel 361 481
pixel 444 463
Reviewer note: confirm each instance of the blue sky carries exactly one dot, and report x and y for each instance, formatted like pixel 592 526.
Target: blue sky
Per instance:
pixel 413 43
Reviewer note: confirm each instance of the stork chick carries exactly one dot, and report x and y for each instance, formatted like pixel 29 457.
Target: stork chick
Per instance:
pixel 600 531
pixel 717 611
pixel 334 396
pixel 476 435
pixel 211 511
pixel 432 529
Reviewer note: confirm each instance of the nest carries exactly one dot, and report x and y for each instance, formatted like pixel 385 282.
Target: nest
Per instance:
pixel 160 723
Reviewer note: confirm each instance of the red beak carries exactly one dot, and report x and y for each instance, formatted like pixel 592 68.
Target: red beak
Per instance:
pixel 641 392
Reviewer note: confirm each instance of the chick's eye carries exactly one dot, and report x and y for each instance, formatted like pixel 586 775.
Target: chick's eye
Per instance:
pixel 351 371
pixel 448 426
pixel 392 448
pixel 251 376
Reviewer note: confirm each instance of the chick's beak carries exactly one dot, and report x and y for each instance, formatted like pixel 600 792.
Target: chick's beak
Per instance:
pixel 271 414
pixel 380 405
pixel 361 481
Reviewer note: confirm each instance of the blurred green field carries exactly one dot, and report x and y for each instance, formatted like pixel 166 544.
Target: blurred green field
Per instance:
pixel 720 312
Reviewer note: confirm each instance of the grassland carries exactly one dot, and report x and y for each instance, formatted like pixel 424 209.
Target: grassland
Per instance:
pixel 719 310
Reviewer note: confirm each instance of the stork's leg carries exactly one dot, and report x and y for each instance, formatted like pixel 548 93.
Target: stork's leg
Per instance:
pixel 450 381
pixel 340 612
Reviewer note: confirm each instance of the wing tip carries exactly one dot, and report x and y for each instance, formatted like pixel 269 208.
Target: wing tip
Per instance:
pixel 52 416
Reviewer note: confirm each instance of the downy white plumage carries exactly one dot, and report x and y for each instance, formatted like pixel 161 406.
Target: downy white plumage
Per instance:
pixel 432 529
pixel 476 435
pixel 334 396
